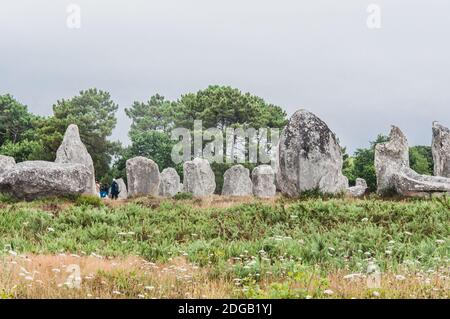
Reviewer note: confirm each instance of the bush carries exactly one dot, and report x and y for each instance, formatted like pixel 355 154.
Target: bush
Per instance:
pixel 183 196
pixel 7 198
pixel 88 200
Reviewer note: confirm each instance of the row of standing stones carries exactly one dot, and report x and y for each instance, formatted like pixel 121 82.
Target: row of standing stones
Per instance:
pixel 144 178
pixel 310 158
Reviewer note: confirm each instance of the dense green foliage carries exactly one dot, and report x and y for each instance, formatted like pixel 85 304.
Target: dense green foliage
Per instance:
pixel 362 164
pixel 223 106
pixel 421 159
pixel 156 114
pixel 16 123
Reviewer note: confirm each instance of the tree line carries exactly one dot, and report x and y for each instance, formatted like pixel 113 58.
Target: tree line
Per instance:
pixel 26 136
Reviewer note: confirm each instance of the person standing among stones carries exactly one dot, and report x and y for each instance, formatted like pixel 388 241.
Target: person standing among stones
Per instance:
pixel 97 188
pixel 114 189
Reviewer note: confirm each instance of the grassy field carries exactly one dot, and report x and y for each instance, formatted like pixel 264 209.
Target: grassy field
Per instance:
pixel 225 248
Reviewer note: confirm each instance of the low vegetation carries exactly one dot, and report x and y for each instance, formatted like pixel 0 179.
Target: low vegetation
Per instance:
pixel 225 247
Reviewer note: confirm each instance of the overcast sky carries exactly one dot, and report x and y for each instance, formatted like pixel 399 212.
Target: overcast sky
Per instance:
pixel 316 54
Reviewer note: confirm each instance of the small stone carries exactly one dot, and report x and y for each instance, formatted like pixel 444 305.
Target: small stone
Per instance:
pixel 143 177
pixel 123 192
pixel 263 179
pixel 199 179
pixel 170 183
pixel 359 189
pixel 237 182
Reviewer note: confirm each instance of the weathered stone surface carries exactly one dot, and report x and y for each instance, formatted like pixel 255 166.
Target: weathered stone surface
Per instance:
pixel 441 150
pixel 263 178
pixel 359 189
pixel 394 174
pixel 198 178
pixel 143 177
pixel 411 184
pixel 72 150
pixel 170 183
pixel 310 157
pixel 390 158
pixel 123 192
pixel 237 182
pixel 34 179
pixel 6 163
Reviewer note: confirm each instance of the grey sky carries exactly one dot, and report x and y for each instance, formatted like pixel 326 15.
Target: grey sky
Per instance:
pixel 314 54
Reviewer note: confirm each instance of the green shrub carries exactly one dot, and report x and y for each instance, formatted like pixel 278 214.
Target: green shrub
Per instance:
pixel 7 198
pixel 89 200
pixel 183 196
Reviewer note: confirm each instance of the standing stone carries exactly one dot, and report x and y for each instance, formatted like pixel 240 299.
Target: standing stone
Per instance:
pixel 310 157
pixel 123 193
pixel 199 178
pixel 237 182
pixel 359 189
pixel 263 178
pixel 395 176
pixel 170 183
pixel 6 163
pixel 390 158
pixel 72 150
pixel 34 179
pixel 441 150
pixel 143 177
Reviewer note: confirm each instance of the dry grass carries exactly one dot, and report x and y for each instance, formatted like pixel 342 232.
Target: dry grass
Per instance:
pixel 417 286
pixel 45 276
pixel 216 201
pixel 208 202
pixel 341 285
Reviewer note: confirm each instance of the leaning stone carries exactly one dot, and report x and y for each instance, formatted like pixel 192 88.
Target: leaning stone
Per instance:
pixel 143 177
pixel 237 182
pixel 170 183
pixel 441 150
pixel 72 150
pixel 359 189
pixel 411 185
pixel 198 178
pixel 394 174
pixel 35 179
pixel 263 179
pixel 123 193
pixel 6 163
pixel 310 157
